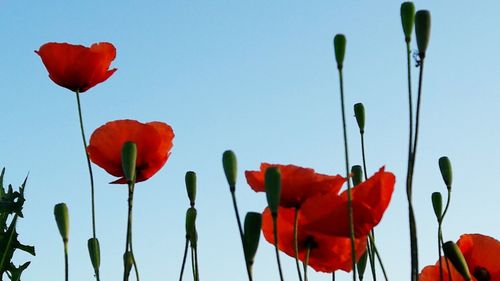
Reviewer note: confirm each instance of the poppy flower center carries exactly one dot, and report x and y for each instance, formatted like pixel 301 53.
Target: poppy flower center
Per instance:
pixel 481 274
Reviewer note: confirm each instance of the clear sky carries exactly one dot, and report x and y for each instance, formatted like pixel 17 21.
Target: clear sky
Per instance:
pixel 257 77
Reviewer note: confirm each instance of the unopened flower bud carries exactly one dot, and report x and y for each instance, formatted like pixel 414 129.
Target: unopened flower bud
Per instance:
pixel 407 19
pixel 423 31
pixel 128 261
pixel 453 253
pixel 190 221
pixel 446 171
pixel 94 252
pixel 437 205
pixel 62 220
pixel 273 189
pixel 339 44
pixel 359 113
pixel 230 168
pixel 191 187
pixel 129 158
pixel 357 174
pixel 253 224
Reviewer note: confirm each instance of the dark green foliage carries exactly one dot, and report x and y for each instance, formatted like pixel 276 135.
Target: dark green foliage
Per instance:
pixel 11 206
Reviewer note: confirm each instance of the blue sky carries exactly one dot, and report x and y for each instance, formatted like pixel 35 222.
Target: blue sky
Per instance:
pixel 257 77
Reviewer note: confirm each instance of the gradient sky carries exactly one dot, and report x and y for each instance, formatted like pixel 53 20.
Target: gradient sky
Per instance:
pixel 257 77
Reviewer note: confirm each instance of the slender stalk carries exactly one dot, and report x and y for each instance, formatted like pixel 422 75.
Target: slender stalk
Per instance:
pixel 275 228
pixel 296 242
pixel 439 253
pixel 377 254
pixel 371 259
pixel 306 261
pixel 193 262
pixel 184 259
pixel 128 242
pixel 440 238
pixel 66 269
pixel 235 206
pixel 91 175
pixel 347 167
pixel 196 263
pixel 333 276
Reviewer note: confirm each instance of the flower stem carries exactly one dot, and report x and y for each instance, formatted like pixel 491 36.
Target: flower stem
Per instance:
pixel 347 167
pixel 184 259
pixel 84 139
pixel 306 261
pixel 275 228
pixel 296 242
pixel 193 263
pixel 66 269
pixel 235 206
pixel 196 263
pixel 128 245
pixel 377 254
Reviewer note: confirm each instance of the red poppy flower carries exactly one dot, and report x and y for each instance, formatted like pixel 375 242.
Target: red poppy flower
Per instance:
pixel 76 67
pixel 369 201
pixel 482 254
pixel 153 140
pixel 327 254
pixel 297 183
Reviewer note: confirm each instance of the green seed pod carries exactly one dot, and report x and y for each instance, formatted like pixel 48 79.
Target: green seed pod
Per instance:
pixel 273 189
pixel 252 226
pixel 339 44
pixel 191 187
pixel 190 221
pixel 94 252
pixel 62 220
pixel 129 158
pixel 437 205
pixel 453 253
pixel 423 31
pixel 407 19
pixel 359 113
pixel 361 265
pixel 128 261
pixel 357 174
pixel 230 165
pixel 446 171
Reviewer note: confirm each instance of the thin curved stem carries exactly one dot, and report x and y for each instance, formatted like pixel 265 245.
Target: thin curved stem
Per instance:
pixel 306 262
pixel 196 263
pixel 296 242
pixel 275 230
pixel 193 263
pixel 237 213
pixel 66 267
pixel 347 167
pixel 184 259
pixel 128 242
pixel 377 254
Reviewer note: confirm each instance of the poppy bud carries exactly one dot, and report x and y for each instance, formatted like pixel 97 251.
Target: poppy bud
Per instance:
pixel 128 261
pixel 361 265
pixel 273 189
pixel 437 205
pixel 94 252
pixel 191 186
pixel 253 224
pixel 62 220
pixel 453 253
pixel 194 239
pixel 357 174
pixel 423 31
pixel 129 158
pixel 446 171
pixel 230 168
pixel 339 44
pixel 359 113
pixel 190 221
pixel 407 19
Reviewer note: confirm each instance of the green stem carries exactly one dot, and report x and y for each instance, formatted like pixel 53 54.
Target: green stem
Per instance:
pixel 347 167
pixel 66 269
pixel 296 241
pixel 439 253
pixel 84 139
pixel 184 259
pixel 371 259
pixel 440 236
pixel 306 261
pixel 196 263
pixel 377 254
pixel 193 263
pixel 128 243
pixel 235 207
pixel 275 228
